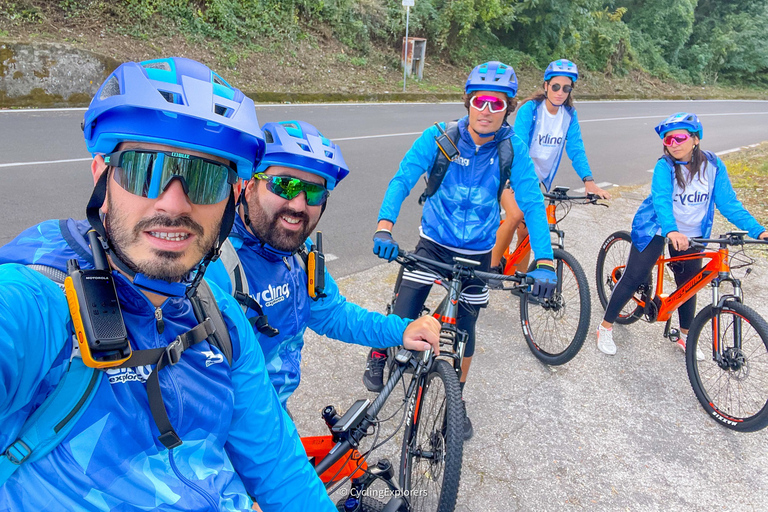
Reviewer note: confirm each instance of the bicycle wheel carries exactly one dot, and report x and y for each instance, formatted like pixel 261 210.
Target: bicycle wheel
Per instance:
pixel 610 266
pixel 366 505
pixel 735 391
pixel 555 328
pixel 430 462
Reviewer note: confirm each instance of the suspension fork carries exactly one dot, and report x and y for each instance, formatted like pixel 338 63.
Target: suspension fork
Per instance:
pixel 718 303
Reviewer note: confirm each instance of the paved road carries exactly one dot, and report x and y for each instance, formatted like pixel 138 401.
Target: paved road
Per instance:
pixel 619 138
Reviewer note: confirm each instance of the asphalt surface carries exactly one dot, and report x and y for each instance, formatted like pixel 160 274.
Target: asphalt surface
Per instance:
pixel 619 138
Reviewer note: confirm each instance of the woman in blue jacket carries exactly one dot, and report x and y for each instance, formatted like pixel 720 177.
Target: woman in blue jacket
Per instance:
pixel 548 124
pixel 688 184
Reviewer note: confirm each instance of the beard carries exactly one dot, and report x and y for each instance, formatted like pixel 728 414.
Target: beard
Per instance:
pixel 164 265
pixel 269 230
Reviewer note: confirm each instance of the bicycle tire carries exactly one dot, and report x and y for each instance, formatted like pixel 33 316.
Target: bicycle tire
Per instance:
pixel 736 397
pixel 366 505
pixel 614 253
pixel 555 328
pixel 433 442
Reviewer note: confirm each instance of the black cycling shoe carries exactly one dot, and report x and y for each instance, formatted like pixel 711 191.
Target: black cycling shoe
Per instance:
pixel 373 378
pixel 468 430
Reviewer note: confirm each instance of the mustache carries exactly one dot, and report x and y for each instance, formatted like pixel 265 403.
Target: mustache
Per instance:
pixel 293 213
pixel 163 221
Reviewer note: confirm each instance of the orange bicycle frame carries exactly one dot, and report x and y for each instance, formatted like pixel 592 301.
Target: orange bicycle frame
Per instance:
pixel 668 303
pixel 523 249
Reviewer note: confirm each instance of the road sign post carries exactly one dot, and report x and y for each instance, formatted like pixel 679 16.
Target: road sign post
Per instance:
pixel 407 4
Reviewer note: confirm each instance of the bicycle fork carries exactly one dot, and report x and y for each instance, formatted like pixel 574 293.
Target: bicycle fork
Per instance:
pixel 451 337
pixel 730 357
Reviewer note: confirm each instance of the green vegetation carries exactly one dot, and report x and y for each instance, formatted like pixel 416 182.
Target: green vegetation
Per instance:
pixel 748 170
pixel 691 41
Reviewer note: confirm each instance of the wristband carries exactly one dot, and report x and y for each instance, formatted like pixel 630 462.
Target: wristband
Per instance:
pixel 547 266
pixel 587 178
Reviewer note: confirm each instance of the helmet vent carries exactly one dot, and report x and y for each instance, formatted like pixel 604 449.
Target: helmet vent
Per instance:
pixel 329 154
pixel 222 110
pixel 111 88
pixel 157 65
pixel 268 137
pixel 304 147
pixel 169 96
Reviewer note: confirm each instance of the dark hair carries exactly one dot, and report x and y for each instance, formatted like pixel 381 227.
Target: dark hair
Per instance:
pixel 542 95
pixel 695 167
pixel 511 103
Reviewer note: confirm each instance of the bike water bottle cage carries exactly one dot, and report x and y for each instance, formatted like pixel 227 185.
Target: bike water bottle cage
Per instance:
pixel 316 269
pixel 147 173
pixel 288 188
pixel 445 144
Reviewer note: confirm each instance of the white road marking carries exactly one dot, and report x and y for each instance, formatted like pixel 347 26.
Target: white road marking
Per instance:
pixel 18 164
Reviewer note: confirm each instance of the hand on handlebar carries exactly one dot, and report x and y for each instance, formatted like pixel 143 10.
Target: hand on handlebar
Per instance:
pixel 678 240
pixel 421 333
pixel 384 246
pixel 544 280
pixel 590 187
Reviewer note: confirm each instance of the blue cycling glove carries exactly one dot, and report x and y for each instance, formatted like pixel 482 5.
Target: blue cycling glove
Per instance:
pixel 384 246
pixel 544 280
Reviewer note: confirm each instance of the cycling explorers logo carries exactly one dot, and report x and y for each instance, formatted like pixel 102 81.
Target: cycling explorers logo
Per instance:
pixel 695 198
pixel 123 375
pixel 549 140
pixel 461 160
pixel 273 294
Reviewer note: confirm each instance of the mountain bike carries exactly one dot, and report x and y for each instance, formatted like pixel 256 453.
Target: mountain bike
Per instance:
pixel 555 328
pixel 732 382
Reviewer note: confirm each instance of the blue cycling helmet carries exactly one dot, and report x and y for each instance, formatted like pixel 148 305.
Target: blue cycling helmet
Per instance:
pixel 178 102
pixel 300 145
pixel 681 121
pixel 493 76
pixel 562 67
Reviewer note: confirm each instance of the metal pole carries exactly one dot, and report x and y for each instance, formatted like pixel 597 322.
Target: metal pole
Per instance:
pixel 405 61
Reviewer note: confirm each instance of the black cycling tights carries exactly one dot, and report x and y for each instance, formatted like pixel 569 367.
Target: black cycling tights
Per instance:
pixel 411 298
pixel 638 270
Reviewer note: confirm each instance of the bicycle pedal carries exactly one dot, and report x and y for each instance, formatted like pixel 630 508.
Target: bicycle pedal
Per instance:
pixel 674 335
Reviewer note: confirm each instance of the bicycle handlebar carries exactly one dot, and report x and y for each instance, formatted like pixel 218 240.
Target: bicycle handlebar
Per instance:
pixel 563 196
pixel 730 238
pixel 408 259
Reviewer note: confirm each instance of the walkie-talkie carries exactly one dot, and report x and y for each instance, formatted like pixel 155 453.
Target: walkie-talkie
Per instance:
pixel 445 144
pixel 316 269
pixel 95 309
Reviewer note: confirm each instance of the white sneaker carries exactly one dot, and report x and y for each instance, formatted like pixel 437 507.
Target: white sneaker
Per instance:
pixel 682 342
pixel 605 342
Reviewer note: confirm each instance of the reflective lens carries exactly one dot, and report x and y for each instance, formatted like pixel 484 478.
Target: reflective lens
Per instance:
pixel 494 104
pixel 288 188
pixel 148 173
pixel 676 139
pixel 566 88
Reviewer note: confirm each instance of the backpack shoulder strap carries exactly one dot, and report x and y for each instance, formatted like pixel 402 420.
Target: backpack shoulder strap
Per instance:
pixel 204 305
pixel 506 157
pixel 47 427
pixel 235 269
pixel 440 167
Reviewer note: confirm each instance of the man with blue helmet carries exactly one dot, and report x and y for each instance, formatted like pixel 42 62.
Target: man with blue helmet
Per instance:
pixel 548 124
pixel 461 217
pixel 280 206
pixel 688 183
pixel 187 421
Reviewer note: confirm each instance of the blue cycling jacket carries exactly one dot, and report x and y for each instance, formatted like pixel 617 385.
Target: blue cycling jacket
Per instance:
pixel 464 212
pixel 236 437
pixel 281 289
pixel 525 126
pixel 655 213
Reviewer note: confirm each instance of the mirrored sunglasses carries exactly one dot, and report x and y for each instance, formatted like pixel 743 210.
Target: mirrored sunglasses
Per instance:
pixel 148 173
pixel 676 139
pixel 556 87
pixel 495 105
pixel 288 187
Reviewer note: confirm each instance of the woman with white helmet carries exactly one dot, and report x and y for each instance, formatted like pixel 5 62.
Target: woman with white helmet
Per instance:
pixel 547 122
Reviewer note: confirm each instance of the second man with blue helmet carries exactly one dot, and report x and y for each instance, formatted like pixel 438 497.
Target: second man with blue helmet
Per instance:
pixel 279 208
